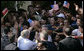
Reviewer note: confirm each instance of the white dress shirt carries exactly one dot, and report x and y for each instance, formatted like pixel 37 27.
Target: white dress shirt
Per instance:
pixel 49 38
pixel 76 32
pixel 25 44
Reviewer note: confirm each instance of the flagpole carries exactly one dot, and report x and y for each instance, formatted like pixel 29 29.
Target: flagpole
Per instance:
pixel 54 2
pixel 16 5
pixel 82 4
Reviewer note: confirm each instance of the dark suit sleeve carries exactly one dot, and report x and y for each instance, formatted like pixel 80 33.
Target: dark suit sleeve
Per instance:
pixel 61 46
pixel 79 46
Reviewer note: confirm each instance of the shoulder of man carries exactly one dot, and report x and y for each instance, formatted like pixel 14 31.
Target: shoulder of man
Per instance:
pixel 10 47
pixel 65 39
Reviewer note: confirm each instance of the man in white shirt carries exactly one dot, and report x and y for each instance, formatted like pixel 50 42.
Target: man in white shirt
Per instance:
pixel 78 33
pixel 24 43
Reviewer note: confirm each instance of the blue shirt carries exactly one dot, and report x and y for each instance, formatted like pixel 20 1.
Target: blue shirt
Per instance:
pixel 25 44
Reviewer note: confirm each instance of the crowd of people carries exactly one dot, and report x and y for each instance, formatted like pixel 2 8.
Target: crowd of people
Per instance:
pixel 41 29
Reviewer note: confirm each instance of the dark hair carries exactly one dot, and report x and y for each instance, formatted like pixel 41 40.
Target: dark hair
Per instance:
pixel 29 6
pixel 55 18
pixel 12 39
pixel 6 30
pixel 49 45
pixel 68 31
pixel 46 36
pixel 26 23
pixel 81 25
pixel 44 18
pixel 62 36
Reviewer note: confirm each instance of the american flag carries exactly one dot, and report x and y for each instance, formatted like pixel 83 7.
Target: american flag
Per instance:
pixel 66 4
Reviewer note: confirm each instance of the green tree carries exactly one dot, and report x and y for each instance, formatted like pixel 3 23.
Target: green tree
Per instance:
pixel 10 4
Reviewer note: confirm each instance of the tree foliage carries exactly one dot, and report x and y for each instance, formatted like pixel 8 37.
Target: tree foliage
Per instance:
pixel 10 4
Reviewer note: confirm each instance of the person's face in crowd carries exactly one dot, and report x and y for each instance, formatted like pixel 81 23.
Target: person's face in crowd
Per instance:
pixel 43 12
pixel 9 17
pixel 12 14
pixel 50 12
pixel 66 22
pixel 52 21
pixel 44 28
pixel 30 9
pixel 14 18
pixel 25 27
pixel 80 11
pixel 40 47
pixel 37 8
pixel 43 21
pixel 73 18
pixel 60 20
pixel 80 29
pixel 21 19
pixel 78 22
pixel 25 13
pixel 77 16
pixel 57 38
pixel 16 25
pixel 10 33
pixel 49 19
pixel 2 20
pixel 7 24
pixel 2 25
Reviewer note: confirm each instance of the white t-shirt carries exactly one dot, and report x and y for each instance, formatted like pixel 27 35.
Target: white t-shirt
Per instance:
pixel 49 38
pixel 25 44
pixel 76 32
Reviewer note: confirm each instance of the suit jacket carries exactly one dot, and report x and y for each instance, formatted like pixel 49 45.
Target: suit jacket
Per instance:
pixel 70 43
pixel 50 45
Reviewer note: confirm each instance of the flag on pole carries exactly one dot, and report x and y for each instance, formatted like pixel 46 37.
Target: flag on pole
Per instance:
pixel 16 6
pixel 82 4
pixel 66 4
pixel 51 6
pixel 4 12
pixel 55 7
pixel 54 2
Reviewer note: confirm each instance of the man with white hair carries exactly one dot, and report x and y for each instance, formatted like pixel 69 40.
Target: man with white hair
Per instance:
pixel 23 41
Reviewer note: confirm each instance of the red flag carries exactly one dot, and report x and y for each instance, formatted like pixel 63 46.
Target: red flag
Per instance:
pixel 5 11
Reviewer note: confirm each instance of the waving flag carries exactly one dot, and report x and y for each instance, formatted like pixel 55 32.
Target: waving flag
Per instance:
pixel 56 7
pixel 51 6
pixel 30 21
pixel 66 4
pixel 4 12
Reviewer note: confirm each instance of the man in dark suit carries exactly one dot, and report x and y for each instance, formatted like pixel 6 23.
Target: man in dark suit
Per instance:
pixel 47 44
pixel 69 43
